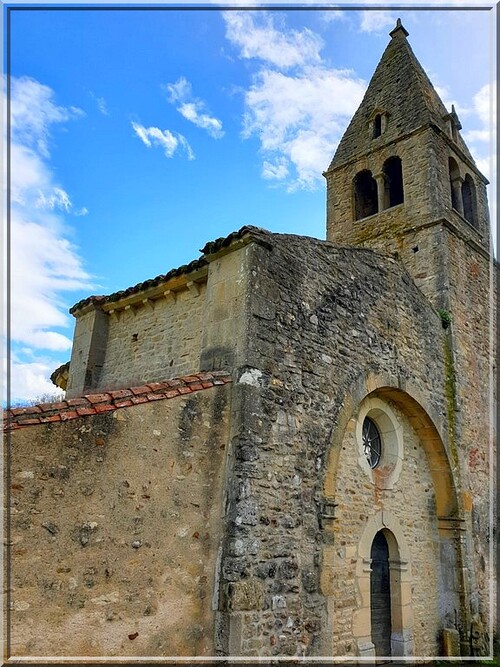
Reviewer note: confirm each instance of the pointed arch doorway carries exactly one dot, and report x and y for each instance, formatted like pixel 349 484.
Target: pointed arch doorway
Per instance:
pixel 380 596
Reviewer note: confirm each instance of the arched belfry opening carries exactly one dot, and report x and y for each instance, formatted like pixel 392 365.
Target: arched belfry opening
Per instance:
pixel 365 195
pixel 455 186
pixel 393 180
pixel 380 595
pixel 469 200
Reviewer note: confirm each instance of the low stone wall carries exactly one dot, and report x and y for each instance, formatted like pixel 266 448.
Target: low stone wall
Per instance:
pixel 115 529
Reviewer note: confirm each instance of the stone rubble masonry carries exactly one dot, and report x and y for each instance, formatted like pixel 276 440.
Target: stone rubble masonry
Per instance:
pixel 308 329
pixel 412 501
pixel 114 525
pixel 261 495
pixel 93 404
pixel 171 325
pixel 321 319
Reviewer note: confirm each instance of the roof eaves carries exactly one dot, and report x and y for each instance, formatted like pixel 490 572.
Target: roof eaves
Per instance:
pixel 244 235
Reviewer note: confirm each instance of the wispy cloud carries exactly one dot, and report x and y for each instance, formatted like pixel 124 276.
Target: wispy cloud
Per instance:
pixel 334 15
pixel 484 108
pixel 256 35
pixel 298 117
pixel 275 171
pixel 102 106
pixel 44 263
pixel 58 199
pixel 31 124
pixel 170 142
pixel 192 108
pixel 376 20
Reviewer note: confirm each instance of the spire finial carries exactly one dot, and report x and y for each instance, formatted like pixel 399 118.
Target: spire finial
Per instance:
pixel 399 29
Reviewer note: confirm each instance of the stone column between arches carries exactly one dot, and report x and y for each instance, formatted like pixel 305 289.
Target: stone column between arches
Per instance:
pixel 400 586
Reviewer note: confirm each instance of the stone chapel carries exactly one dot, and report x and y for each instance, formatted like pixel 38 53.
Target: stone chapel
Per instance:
pixel 285 447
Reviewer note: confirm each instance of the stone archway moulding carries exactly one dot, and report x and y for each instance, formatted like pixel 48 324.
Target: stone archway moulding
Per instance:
pixel 427 425
pixel 400 586
pixel 424 420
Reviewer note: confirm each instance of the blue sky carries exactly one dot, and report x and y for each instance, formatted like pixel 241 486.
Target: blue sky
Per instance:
pixel 138 135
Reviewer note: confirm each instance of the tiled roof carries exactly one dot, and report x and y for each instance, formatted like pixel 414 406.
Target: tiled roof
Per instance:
pixel 94 404
pixel 210 248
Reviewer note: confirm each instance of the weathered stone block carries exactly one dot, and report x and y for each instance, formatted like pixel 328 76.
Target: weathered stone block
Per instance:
pixel 245 595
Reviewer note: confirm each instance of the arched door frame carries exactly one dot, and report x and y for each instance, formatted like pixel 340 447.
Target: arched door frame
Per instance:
pixel 400 584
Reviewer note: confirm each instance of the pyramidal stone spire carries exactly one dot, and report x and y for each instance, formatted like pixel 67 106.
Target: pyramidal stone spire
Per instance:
pixel 402 94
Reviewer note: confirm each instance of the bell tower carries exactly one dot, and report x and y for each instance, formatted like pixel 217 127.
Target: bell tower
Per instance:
pixel 403 181
pixel 402 178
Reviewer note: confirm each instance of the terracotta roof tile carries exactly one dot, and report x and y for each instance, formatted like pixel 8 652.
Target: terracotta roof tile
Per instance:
pixel 104 407
pixel 155 397
pixel 195 386
pixel 69 414
pixel 120 393
pixel 77 401
pixel 25 411
pixel 171 393
pixel 144 389
pixel 85 411
pixel 160 385
pixel 50 418
pixel 212 247
pixel 93 404
pixel 98 398
pixel 140 399
pixel 123 404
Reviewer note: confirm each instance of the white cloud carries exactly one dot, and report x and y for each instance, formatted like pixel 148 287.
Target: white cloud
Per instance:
pixel 164 138
pixel 257 37
pixel 59 198
pixel 33 111
pixel 298 118
pixel 275 171
pixel 193 109
pixel 44 263
pixel 333 15
pixel 102 106
pixel 376 20
pixel 481 139
pixel 30 381
pixel 484 104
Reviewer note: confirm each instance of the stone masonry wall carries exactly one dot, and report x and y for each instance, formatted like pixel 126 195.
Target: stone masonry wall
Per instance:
pixel 412 502
pixel 385 226
pixel 472 307
pixel 156 342
pixel 115 530
pixel 320 317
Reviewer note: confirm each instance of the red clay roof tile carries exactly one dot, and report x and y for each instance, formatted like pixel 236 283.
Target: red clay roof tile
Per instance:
pixel 99 403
